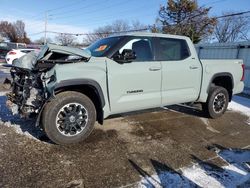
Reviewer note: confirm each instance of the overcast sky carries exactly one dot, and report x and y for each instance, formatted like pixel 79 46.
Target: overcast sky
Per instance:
pixel 81 16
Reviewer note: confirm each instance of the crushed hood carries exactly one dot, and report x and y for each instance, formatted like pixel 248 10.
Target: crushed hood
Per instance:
pixel 29 60
pixel 64 50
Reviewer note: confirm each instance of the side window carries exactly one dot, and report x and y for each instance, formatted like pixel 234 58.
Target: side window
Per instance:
pixel 173 49
pixel 142 48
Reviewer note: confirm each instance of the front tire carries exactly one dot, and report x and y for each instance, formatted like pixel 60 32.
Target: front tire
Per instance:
pixel 69 118
pixel 217 102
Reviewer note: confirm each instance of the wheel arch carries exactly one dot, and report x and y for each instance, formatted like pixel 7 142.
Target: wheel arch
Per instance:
pixel 88 87
pixel 225 80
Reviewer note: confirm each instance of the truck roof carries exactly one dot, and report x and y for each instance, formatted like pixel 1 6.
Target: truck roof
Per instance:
pixel 148 34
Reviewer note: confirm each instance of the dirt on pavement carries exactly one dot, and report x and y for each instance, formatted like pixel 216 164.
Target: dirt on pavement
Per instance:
pixel 119 152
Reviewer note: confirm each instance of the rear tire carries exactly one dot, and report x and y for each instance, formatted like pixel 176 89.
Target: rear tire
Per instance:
pixel 217 102
pixel 69 118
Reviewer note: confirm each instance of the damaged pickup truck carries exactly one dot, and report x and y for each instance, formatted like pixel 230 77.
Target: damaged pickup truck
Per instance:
pixel 68 89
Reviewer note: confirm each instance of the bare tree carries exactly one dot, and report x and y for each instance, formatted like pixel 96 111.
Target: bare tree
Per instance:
pixel 20 28
pixel 232 28
pixel 120 25
pixel 65 39
pixel 115 27
pixel 8 30
pixel 15 32
pixel 97 34
pixel 21 34
pixel 137 25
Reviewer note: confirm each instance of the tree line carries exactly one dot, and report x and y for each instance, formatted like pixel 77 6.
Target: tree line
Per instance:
pixel 179 17
pixel 14 32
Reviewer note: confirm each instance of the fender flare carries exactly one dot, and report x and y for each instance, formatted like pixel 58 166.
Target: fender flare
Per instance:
pixel 219 75
pixel 79 82
pixel 76 82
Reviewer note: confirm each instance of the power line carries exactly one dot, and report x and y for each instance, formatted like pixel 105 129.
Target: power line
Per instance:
pixel 79 34
pixel 214 2
pixel 109 17
pixel 75 9
pixel 75 14
pixel 65 6
pixel 36 24
pixel 71 11
pixel 39 16
pixel 126 31
pixel 36 33
pixel 233 14
pixel 50 16
pixel 101 33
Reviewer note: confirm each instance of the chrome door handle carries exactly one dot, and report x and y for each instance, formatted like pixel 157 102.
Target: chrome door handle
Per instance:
pixel 154 68
pixel 193 67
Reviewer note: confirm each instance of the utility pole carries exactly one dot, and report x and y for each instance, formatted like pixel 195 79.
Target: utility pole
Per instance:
pixel 45 27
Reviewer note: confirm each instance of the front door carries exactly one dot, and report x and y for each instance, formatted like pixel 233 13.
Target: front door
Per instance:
pixel 135 85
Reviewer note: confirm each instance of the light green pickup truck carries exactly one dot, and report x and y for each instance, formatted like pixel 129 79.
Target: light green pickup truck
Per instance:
pixel 68 89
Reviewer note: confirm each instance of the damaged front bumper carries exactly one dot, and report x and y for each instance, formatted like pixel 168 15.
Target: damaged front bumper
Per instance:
pixel 34 78
pixel 28 92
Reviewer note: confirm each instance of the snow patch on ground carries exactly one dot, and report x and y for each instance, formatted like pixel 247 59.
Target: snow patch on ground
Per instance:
pixel 206 176
pixel 242 105
pixel 18 129
pixel 2 93
pixel 21 126
pixel 5 71
pixel 165 179
pixel 208 126
pixel 203 173
pixel 205 121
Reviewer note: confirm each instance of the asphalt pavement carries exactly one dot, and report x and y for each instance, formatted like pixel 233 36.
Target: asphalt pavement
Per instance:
pixel 153 148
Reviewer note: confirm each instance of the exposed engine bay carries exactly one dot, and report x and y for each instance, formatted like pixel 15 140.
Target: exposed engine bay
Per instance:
pixel 31 74
pixel 28 93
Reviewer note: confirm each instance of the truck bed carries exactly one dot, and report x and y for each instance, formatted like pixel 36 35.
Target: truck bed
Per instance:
pixel 215 67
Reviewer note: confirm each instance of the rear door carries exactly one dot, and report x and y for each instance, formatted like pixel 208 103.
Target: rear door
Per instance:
pixel 181 71
pixel 135 85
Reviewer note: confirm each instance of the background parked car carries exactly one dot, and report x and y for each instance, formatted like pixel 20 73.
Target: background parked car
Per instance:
pixel 16 53
pixel 3 52
pixel 5 47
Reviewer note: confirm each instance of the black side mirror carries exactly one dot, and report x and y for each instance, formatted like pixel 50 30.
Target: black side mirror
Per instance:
pixel 127 56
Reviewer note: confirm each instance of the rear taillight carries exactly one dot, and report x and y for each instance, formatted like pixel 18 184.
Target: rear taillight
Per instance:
pixel 12 53
pixel 243 72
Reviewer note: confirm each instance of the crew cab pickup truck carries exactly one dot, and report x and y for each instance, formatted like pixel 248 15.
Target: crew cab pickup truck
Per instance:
pixel 68 89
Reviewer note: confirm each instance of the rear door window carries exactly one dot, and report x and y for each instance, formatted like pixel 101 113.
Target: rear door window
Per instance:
pixel 172 49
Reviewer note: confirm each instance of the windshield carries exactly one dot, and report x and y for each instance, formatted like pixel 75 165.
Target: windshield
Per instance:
pixel 99 48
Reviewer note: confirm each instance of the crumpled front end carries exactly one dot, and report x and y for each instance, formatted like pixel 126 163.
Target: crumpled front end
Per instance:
pixel 34 77
pixel 28 92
